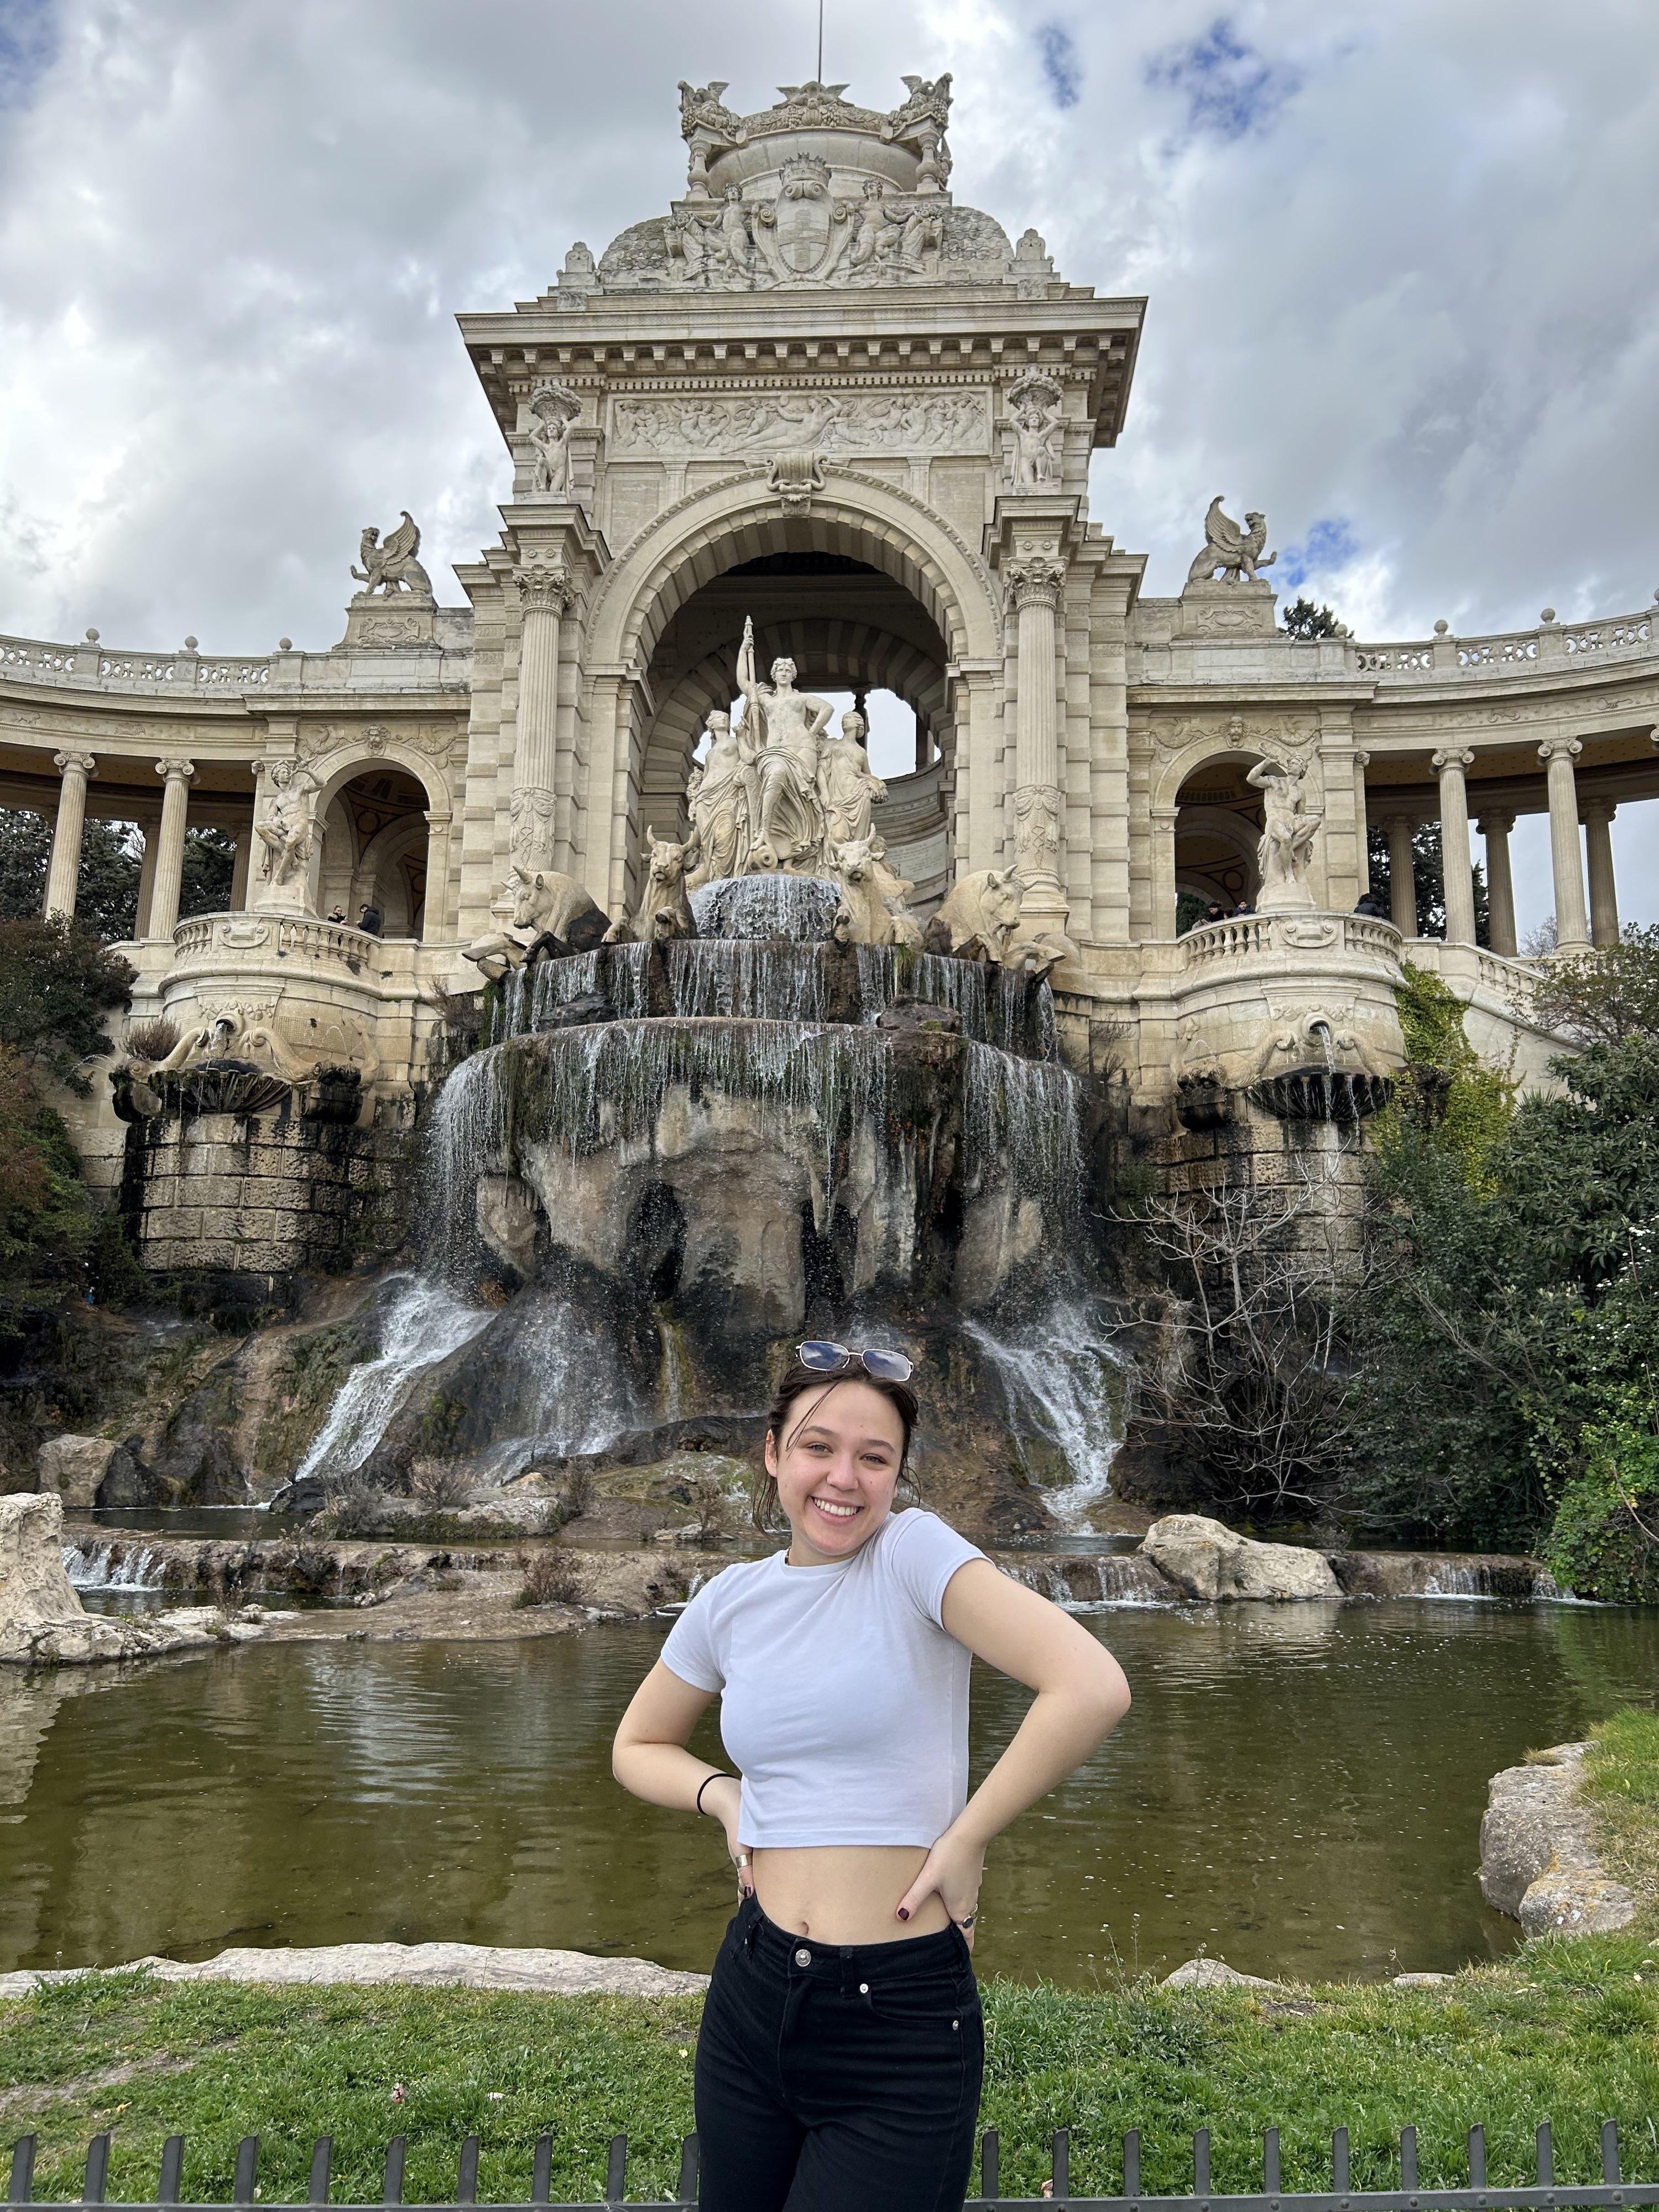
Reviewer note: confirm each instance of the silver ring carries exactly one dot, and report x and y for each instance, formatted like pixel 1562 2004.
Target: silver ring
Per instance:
pixel 968 1922
pixel 741 1859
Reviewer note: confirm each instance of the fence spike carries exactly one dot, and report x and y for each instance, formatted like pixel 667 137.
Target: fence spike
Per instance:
pixel 541 2177
pixel 1477 2156
pixel 391 2187
pixel 689 2167
pixel 1609 2150
pixel 1061 2163
pixel 22 2185
pixel 1339 2160
pixel 173 2169
pixel 1546 2156
pixel 1270 2163
pixel 1201 2162
pixel 466 2177
pixel 248 2169
pixel 990 2165
pixel 1408 2157
pixel 97 2180
pixel 1132 2163
pixel 615 2170
pixel 322 2162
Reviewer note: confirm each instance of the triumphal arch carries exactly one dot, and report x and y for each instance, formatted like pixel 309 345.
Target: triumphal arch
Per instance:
pixel 820 405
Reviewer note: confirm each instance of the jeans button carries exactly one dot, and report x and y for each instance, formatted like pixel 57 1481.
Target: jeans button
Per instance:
pixel 803 1957
pixel 864 1989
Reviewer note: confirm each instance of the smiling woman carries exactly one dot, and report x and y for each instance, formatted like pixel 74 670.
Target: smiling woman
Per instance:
pixel 842 2046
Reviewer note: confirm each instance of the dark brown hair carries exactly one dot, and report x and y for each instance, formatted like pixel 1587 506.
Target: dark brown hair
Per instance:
pixel 764 1510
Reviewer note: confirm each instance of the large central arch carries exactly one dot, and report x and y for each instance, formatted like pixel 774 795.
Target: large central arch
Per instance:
pixel 641 735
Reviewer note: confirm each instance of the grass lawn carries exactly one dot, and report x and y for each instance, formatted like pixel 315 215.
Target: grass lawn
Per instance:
pixel 1566 2031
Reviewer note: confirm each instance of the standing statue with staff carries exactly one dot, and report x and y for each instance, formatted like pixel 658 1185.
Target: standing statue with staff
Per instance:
pixel 789 825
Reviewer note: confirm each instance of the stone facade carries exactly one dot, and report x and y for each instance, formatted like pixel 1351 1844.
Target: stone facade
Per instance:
pixel 818 394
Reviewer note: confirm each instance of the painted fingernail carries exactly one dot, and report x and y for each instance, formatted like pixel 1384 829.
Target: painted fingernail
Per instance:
pixel 904 1912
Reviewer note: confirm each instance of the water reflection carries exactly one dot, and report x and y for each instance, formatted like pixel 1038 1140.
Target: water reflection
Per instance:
pixel 1297 1788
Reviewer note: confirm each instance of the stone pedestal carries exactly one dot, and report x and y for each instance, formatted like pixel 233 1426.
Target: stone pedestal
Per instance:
pixel 377 621
pixel 1215 609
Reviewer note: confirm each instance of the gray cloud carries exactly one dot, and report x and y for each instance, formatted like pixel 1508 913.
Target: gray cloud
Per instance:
pixel 1401 265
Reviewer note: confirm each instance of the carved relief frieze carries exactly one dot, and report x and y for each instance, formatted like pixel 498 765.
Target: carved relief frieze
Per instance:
pixel 436 739
pixel 920 421
pixel 1241 732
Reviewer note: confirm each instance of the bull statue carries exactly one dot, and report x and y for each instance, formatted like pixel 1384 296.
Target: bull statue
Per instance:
pixel 979 919
pixel 551 913
pixel 664 911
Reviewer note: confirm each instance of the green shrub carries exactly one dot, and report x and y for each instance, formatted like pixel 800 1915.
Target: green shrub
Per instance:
pixel 1605 1542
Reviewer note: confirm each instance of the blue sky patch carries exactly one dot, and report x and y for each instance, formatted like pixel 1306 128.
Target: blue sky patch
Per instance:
pixel 28 44
pixel 1329 546
pixel 1061 65
pixel 1230 87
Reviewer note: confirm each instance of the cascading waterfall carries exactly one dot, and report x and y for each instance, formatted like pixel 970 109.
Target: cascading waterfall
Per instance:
pixel 802 907
pixel 774 979
pixel 670 1156
pixel 99 1564
pixel 423 1324
pixel 1064 1377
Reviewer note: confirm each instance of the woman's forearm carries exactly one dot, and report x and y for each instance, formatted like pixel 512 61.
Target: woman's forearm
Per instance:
pixel 1060 1731
pixel 662 1774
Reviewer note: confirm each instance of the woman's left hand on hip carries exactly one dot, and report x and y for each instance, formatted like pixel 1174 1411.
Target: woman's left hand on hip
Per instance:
pixel 952 1871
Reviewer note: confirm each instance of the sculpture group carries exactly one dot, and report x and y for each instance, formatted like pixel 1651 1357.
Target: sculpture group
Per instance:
pixel 776 794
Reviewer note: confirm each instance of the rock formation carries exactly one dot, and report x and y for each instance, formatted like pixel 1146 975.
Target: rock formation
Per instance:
pixel 1539 1862
pixel 44 1623
pixel 1209 1561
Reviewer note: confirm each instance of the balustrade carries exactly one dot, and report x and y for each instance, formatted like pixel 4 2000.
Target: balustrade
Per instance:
pixel 277 935
pixel 1246 936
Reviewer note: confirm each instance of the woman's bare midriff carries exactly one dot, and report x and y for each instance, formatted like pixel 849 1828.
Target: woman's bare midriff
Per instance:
pixel 845 1893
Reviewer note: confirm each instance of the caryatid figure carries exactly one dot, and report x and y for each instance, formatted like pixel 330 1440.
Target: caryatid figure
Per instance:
pixel 790 824
pixel 848 788
pixel 720 806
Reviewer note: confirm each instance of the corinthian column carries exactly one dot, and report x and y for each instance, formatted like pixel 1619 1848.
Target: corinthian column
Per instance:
pixel 1571 922
pixel 1362 835
pixel 169 847
pixel 544 592
pixel 1455 865
pixel 1034 582
pixel 1500 884
pixel 1402 875
pixel 1604 889
pixel 64 871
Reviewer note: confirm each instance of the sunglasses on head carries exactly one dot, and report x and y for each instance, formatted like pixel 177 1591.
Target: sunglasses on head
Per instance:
pixel 826 1358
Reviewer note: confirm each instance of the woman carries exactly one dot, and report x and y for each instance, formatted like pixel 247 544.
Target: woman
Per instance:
pixel 840 2054
pixel 847 784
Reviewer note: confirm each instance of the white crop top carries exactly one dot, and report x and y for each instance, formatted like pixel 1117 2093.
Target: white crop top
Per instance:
pixel 844 1701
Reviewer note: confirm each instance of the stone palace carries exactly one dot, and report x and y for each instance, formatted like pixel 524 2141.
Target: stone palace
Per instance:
pixel 819 397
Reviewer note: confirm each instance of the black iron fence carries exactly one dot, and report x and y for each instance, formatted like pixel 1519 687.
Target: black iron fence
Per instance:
pixel 1545 2195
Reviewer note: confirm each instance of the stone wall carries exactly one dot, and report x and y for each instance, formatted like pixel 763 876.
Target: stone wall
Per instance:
pixel 265 1196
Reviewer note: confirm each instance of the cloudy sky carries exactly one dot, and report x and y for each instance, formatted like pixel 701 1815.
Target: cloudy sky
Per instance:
pixel 1401 257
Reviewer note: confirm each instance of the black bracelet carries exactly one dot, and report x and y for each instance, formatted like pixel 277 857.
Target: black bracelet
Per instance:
pixel 716 1777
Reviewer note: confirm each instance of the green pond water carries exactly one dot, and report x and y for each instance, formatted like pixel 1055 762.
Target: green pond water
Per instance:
pixel 1299 1789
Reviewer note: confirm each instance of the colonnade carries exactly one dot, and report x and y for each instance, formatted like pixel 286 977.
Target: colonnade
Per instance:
pixel 160 880
pixel 1579 922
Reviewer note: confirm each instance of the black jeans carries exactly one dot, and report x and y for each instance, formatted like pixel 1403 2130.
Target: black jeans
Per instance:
pixel 832 2076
